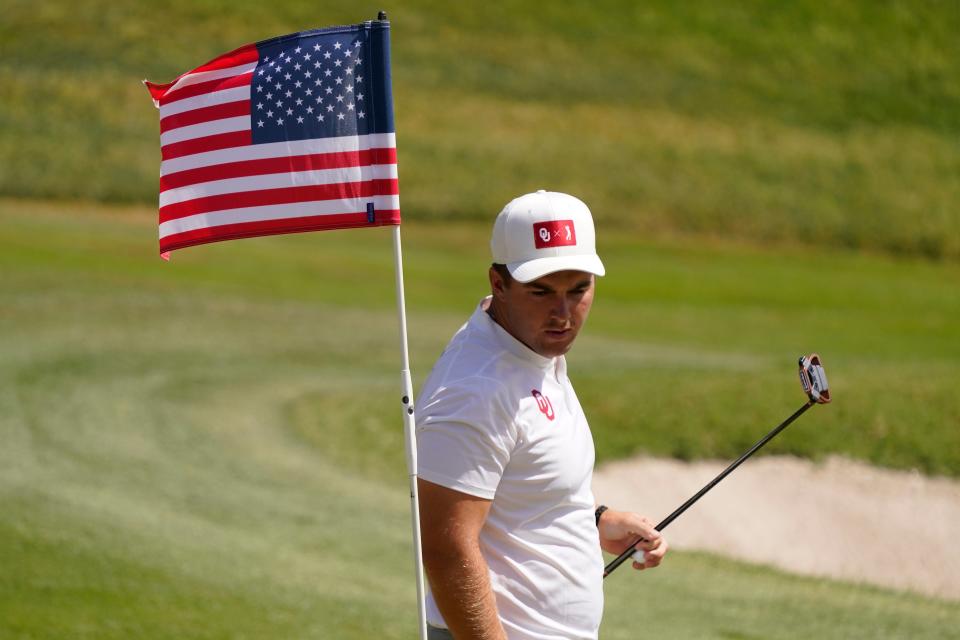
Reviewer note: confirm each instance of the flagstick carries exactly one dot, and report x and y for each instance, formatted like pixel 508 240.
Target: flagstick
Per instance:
pixel 409 433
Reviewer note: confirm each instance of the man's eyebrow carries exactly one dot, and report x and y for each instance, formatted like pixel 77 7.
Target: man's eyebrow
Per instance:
pixel 538 287
pixel 583 284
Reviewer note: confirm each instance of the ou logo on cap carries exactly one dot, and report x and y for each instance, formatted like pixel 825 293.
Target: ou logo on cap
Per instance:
pixel 544 404
pixel 554 233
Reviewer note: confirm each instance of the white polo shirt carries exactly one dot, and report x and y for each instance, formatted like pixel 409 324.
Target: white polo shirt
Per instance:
pixel 498 421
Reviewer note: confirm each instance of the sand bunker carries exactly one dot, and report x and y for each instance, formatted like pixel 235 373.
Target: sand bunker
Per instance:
pixel 837 519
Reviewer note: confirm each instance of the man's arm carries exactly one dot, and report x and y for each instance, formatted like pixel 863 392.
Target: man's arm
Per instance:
pixel 450 523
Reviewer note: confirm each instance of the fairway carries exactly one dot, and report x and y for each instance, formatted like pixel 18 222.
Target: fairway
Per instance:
pixel 211 448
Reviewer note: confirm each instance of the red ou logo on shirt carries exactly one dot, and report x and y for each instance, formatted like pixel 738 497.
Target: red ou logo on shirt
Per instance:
pixel 544 404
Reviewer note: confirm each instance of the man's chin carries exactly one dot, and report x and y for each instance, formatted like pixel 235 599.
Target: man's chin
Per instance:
pixel 553 345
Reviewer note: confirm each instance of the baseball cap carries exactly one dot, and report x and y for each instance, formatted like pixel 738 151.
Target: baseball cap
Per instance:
pixel 545 232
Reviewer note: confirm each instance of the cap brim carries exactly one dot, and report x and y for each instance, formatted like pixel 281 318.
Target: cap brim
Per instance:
pixel 530 270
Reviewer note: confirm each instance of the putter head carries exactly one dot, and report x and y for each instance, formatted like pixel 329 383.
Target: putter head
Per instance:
pixel 813 379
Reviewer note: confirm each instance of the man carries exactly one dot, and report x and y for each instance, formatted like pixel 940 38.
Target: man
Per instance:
pixel 511 533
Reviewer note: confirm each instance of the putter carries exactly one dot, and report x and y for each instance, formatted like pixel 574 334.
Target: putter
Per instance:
pixel 814 382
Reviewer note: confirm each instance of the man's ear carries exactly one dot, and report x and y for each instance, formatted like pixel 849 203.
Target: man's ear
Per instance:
pixel 497 284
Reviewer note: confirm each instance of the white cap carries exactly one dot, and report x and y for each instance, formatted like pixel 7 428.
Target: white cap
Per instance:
pixel 545 232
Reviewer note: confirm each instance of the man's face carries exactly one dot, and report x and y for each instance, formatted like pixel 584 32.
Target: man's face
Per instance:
pixel 545 314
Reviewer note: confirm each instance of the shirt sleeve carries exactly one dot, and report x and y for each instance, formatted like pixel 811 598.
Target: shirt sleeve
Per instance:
pixel 465 436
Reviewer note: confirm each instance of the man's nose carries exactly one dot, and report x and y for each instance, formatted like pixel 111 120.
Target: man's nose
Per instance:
pixel 561 308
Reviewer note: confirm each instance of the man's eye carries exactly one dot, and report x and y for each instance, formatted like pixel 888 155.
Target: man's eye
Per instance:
pixel 539 294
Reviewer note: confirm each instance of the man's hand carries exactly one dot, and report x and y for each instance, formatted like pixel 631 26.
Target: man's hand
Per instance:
pixel 619 528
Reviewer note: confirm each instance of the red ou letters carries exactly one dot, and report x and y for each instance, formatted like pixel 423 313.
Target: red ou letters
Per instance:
pixel 544 404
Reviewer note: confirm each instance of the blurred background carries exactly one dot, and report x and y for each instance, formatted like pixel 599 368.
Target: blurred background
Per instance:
pixel 212 448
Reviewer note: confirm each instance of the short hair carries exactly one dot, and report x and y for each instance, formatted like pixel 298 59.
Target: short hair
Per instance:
pixel 504 273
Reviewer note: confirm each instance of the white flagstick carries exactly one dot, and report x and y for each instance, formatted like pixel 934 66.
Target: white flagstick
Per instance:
pixel 409 432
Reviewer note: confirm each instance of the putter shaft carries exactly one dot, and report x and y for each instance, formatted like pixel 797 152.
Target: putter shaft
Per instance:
pixel 686 505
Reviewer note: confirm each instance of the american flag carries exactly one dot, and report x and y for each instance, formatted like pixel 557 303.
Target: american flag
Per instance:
pixel 289 134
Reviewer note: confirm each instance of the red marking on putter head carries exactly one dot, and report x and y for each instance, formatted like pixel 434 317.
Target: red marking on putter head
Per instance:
pixel 814 379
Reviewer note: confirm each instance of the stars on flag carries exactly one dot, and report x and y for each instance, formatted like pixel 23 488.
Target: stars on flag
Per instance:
pixel 296 74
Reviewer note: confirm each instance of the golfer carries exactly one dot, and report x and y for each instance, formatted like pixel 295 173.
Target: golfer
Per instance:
pixel 511 533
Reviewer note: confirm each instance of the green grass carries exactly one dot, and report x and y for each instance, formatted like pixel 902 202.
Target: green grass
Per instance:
pixel 211 448
pixel 707 597
pixel 832 123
